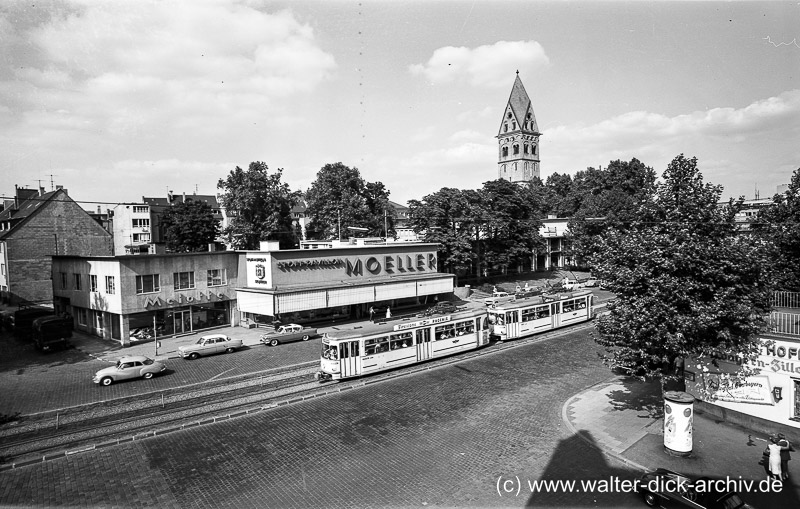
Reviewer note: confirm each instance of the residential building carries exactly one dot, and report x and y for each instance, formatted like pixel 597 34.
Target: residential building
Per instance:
pixel 36 226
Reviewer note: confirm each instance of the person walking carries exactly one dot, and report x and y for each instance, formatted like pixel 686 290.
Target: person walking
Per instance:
pixel 371 314
pixel 388 312
pixel 775 458
pixel 785 456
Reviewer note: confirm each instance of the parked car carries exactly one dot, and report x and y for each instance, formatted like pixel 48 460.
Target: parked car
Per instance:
pixel 208 345
pixel 591 283
pixel 444 307
pixel 288 333
pixel 498 297
pixel 133 366
pixel 665 488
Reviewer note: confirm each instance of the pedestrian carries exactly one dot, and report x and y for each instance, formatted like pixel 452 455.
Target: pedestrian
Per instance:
pixel 371 314
pixel 388 312
pixel 785 456
pixel 775 458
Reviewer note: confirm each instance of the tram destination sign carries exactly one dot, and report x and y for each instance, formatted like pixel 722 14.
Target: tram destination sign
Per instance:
pixel 422 323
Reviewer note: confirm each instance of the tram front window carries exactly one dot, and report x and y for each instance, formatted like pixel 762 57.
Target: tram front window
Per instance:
pixel 330 352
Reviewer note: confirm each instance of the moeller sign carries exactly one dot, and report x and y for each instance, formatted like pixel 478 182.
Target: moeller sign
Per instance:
pixel 372 265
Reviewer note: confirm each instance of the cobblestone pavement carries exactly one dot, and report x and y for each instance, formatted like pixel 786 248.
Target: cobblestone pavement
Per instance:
pixel 457 436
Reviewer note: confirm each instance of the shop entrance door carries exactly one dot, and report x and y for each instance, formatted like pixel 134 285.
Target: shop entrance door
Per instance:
pixel 182 321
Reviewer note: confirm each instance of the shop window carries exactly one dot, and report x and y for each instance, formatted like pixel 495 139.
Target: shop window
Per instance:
pixel 147 284
pixel 217 277
pixel 92 283
pixel 183 280
pixel 76 281
pixel 110 285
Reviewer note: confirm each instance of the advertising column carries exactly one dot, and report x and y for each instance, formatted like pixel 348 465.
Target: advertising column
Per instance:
pixel 678 417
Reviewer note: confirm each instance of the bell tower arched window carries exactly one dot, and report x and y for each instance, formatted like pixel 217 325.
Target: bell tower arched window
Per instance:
pixel 516 149
pixel 505 151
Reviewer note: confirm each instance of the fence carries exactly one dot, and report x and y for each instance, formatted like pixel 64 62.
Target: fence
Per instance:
pixel 786 299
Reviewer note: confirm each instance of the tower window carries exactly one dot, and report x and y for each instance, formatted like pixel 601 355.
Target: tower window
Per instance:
pixel 525 148
pixel 508 114
pixel 516 149
pixel 513 125
pixel 505 128
pixel 533 149
pixel 505 151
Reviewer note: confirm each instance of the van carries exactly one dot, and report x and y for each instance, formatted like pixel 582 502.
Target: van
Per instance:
pixel 51 332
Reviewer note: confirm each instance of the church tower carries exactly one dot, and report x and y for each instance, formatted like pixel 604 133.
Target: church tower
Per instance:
pixel 518 138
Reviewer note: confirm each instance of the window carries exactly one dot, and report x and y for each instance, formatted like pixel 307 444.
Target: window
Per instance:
pixel 141 237
pixel 402 340
pixel 110 285
pixel 92 283
pixel 505 151
pixel 140 210
pixel 141 223
pixel 2 269
pixel 516 149
pixel 217 277
pixel 373 346
pixel 533 149
pixel 147 284
pixel 77 281
pixel 183 280
pixel 525 148
pixel 82 316
pixel 63 280
pixel 513 125
pixel 505 128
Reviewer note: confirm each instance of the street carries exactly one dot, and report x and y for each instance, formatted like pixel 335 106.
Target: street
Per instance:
pixel 451 437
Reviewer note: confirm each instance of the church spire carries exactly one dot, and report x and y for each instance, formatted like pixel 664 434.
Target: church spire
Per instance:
pixel 518 138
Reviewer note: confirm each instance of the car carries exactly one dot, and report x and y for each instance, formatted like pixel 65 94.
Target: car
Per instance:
pixel 444 307
pixel 665 488
pixel 208 345
pixel 591 283
pixel 498 297
pixel 288 333
pixel 132 366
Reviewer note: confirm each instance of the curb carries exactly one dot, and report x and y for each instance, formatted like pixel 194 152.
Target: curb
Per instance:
pixel 597 445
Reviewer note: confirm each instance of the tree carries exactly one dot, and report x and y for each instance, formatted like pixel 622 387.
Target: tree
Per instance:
pixel 687 283
pixel 260 207
pixel 340 198
pixel 189 227
pixel 779 227
pixel 447 217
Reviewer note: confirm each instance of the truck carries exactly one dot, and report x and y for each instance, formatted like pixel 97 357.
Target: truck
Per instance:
pixel 51 332
pixel 23 320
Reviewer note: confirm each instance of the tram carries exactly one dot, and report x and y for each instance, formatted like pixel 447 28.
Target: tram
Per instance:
pixel 525 317
pixel 372 348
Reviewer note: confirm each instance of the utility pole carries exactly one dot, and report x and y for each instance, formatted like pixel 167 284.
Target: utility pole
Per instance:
pixel 339 220
pixel 385 225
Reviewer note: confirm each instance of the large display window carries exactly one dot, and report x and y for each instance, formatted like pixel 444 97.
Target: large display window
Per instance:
pixel 180 320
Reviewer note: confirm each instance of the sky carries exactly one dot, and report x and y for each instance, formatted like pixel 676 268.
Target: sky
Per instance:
pixel 118 99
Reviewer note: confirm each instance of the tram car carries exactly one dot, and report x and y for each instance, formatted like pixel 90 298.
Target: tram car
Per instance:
pixel 377 347
pixel 525 317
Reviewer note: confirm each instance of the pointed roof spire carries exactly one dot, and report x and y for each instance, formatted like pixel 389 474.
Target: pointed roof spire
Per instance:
pixel 520 104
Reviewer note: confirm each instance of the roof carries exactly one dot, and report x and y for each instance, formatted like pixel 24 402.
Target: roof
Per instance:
pixel 520 104
pixel 210 199
pixel 133 358
pixel 27 209
pixel 397 206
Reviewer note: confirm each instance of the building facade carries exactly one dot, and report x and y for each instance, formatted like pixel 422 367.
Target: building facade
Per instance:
pixel 36 227
pixel 115 296
pixel 329 283
pixel 518 138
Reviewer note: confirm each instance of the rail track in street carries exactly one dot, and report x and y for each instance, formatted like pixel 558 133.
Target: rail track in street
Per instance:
pixel 49 435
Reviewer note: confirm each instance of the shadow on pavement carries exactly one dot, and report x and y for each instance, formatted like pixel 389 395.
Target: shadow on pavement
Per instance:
pixel 642 397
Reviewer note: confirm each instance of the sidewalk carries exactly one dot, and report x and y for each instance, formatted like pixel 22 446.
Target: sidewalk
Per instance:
pixel 624 418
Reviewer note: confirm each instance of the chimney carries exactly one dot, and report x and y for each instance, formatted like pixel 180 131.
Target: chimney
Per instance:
pixel 170 196
pixel 184 197
pixel 41 190
pixel 16 197
pixel 98 210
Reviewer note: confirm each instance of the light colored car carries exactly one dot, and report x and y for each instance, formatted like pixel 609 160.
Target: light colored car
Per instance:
pixel 497 298
pixel 133 366
pixel 208 345
pixel 287 333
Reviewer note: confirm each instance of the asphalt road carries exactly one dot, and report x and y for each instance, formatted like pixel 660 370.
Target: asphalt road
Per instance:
pixel 471 434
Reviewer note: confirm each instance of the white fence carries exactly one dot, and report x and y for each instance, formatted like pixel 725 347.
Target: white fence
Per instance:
pixel 784 323
pixel 786 300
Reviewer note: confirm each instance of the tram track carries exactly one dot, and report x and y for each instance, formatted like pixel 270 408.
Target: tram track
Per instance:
pixel 40 437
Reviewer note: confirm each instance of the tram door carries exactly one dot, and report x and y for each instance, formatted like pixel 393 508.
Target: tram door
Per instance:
pixel 349 359
pixel 423 344
pixel 512 324
pixel 555 313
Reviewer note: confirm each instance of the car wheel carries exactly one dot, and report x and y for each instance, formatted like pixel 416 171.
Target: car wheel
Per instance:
pixel 305 338
pixel 274 342
pixel 147 376
pixel 106 381
pixel 194 355
pixel 229 350
pixel 650 499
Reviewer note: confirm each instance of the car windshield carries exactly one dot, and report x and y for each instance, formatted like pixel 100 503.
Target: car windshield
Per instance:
pixel 147 362
pixel 732 501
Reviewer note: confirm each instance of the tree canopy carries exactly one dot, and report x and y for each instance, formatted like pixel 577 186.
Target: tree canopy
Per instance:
pixel 686 282
pixel 189 226
pixel 779 226
pixel 259 206
pixel 340 196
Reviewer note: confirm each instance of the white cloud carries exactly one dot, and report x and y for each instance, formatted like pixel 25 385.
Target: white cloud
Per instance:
pixel 484 66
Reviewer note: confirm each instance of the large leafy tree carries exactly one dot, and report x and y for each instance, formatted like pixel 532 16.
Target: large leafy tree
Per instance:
pixel 189 226
pixel 510 223
pixel 779 226
pixel 448 217
pixel 340 198
pixel 687 283
pixel 260 207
